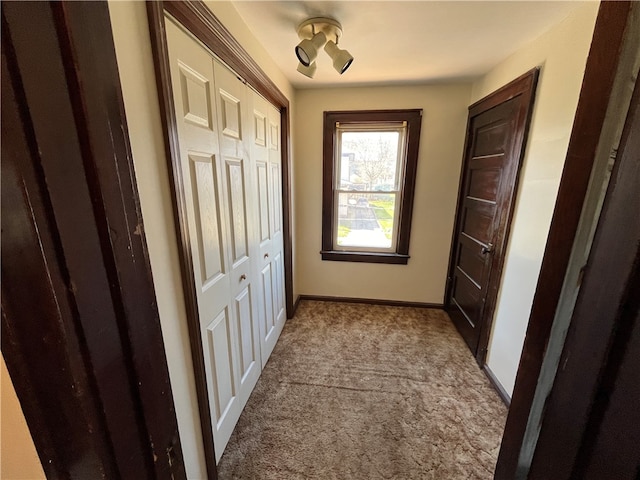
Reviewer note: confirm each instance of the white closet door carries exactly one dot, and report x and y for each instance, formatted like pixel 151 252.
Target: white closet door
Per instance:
pixel 231 103
pixel 265 153
pixel 213 166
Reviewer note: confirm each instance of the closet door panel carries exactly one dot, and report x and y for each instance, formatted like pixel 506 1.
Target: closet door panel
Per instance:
pixel 239 185
pixel 265 150
pixel 229 162
pixel 222 388
pixel 263 203
pixel 244 319
pixel 202 183
pixel 237 209
pixel 275 161
pixel 207 217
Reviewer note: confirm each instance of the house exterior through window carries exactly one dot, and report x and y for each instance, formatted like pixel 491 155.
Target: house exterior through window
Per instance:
pixel 370 160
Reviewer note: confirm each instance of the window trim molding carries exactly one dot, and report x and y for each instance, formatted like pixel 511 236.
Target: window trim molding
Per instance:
pixel 413 117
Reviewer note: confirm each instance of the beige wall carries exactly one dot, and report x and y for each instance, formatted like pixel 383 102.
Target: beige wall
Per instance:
pixel 133 50
pixel 18 457
pixel 441 144
pixel 562 53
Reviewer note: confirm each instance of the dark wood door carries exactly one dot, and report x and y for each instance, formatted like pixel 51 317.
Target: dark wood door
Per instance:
pixel 496 135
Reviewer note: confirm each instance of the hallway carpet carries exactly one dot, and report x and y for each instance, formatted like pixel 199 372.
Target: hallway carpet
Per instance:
pixel 368 392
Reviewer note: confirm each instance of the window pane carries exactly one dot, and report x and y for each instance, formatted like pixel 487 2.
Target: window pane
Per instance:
pixel 366 219
pixel 369 161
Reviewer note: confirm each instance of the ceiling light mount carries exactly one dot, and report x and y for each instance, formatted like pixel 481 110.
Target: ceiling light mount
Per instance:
pixel 315 33
pixel 330 27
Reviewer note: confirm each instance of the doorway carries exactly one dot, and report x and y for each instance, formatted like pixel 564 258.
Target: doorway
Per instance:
pixel 494 148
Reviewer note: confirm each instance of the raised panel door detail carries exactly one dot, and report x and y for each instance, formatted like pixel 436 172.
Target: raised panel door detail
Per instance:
pixel 263 200
pixel 246 341
pixel 466 294
pixel 484 183
pixel 490 139
pixel 279 285
pixel 237 208
pixel 195 91
pixel 472 262
pixel 230 107
pixel 220 344
pixel 275 195
pixel 206 204
pixel 260 129
pixel 267 296
pixel 477 222
pixel 274 136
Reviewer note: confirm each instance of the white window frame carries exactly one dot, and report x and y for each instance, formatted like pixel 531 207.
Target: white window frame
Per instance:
pixel 401 129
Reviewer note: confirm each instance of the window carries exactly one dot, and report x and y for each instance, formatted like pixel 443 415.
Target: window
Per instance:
pixel 369 176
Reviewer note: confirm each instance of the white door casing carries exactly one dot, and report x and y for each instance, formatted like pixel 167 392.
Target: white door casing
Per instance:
pixel 220 197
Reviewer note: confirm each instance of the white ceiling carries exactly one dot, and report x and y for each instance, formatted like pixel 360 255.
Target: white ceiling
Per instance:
pixel 396 42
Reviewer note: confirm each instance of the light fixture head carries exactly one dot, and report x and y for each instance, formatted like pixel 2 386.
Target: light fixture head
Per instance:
pixel 307 49
pixel 341 58
pixel 309 71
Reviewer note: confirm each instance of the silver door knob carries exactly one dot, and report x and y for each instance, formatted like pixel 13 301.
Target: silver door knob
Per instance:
pixel 488 248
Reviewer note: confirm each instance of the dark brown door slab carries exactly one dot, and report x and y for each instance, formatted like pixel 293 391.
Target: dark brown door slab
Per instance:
pixel 496 134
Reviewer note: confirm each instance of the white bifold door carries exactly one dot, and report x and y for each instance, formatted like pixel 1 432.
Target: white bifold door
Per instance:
pixel 267 161
pixel 229 142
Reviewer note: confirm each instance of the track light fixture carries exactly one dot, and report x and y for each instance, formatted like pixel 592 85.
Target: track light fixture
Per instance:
pixel 341 58
pixel 309 71
pixel 315 33
pixel 307 50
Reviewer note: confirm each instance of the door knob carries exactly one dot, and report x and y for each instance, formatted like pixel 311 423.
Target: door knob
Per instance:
pixel 488 248
pixel 266 255
pixel 243 277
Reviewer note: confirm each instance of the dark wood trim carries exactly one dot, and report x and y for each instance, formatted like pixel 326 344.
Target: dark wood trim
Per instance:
pixel 524 86
pixel 287 210
pixel 589 119
pixel 370 301
pixel 497 386
pixel 365 257
pixel 85 349
pixel 413 117
pixel 199 20
pixel 295 305
pixel 605 315
pixel 505 93
pixel 28 299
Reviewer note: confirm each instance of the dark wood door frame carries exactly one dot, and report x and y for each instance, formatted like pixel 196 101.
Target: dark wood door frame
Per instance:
pixel 602 62
pixel 525 87
pixel 606 314
pixel 80 329
pixel 200 21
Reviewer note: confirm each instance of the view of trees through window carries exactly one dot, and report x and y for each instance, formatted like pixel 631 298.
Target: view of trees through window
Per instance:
pixel 367 187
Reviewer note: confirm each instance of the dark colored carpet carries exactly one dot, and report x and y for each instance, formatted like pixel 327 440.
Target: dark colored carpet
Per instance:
pixel 366 392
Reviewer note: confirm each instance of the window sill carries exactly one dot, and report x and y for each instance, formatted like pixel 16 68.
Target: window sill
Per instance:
pixel 364 257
